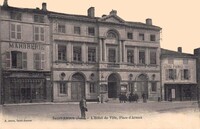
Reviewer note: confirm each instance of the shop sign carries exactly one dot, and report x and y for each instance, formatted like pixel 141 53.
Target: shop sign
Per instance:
pixel 32 46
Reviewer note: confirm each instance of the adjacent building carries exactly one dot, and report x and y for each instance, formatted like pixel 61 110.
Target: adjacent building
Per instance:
pixel 25 55
pixel 178 75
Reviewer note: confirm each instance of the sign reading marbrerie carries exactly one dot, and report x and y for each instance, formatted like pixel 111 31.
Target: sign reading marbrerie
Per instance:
pixel 32 46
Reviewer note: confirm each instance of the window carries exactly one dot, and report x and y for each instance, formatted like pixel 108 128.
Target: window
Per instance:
pixel 171 74
pixel 170 61
pixel 18 59
pixel 91 54
pixel 152 37
pixel 141 37
pixel 185 74
pixel 131 87
pixel 39 34
pixel 92 88
pixel 141 57
pixel 130 35
pixel 130 56
pixel 39 18
pixel 112 55
pixel 16 31
pixel 16 16
pixel 153 86
pixel 38 61
pixel 62 52
pixel 111 35
pixel 77 53
pixel 61 28
pixel 77 30
pixel 153 57
pixel 185 61
pixel 91 31
pixel 63 88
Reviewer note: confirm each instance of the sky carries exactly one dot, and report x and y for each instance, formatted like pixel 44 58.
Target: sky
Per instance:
pixel 179 19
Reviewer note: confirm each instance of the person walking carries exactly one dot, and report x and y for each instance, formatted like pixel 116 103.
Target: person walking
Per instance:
pixel 83 108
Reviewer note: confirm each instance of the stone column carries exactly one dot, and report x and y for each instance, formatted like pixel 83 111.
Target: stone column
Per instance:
pixel 100 50
pixel 123 50
pixel 69 52
pixel 84 53
pixel 103 50
pixel 136 55
pixel 147 56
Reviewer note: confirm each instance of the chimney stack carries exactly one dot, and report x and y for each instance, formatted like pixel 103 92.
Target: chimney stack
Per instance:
pixel 180 49
pixel 113 12
pixel 91 12
pixel 149 21
pixel 44 6
pixel 5 3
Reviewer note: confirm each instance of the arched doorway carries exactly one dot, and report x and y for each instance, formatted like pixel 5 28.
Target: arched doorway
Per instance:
pixel 142 85
pixel 77 87
pixel 113 86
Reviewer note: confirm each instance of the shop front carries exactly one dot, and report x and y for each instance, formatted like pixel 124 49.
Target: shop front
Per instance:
pixel 180 92
pixel 27 87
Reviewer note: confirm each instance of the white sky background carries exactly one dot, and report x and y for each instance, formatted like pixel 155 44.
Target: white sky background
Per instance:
pixel 179 19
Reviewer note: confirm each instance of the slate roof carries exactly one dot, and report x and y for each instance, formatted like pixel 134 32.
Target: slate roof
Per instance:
pixel 169 53
pixel 86 18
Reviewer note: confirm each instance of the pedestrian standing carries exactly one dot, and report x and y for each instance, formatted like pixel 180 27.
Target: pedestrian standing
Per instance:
pixel 83 108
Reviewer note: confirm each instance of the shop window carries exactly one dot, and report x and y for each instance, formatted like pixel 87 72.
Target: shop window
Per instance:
pixel 152 37
pixel 130 56
pixel 77 54
pixel 39 61
pixel 112 55
pixel 61 28
pixel 91 31
pixel 18 60
pixel 141 57
pixel 62 52
pixel 39 18
pixel 92 88
pixel 130 35
pixel 39 34
pixel 16 16
pixel 16 31
pixel 63 88
pixel 131 87
pixel 153 86
pixel 141 37
pixel 77 30
pixel 91 54
pixel 153 57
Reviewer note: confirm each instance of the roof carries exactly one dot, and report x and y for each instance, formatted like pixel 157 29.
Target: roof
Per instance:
pixel 86 18
pixel 169 53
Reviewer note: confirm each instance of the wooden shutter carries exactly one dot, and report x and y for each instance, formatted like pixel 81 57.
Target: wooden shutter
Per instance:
pixel 182 74
pixel 24 60
pixel 174 74
pixel 8 59
pixel 19 60
pixel 167 74
pixel 42 60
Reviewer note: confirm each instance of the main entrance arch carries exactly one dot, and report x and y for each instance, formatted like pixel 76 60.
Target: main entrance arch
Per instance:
pixel 77 87
pixel 113 86
pixel 142 85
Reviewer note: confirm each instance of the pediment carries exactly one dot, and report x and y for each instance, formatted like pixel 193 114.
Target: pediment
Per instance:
pixel 112 19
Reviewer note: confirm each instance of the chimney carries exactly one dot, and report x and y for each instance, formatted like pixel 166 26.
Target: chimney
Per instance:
pixel 149 21
pixel 5 3
pixel 91 12
pixel 180 49
pixel 197 52
pixel 44 6
pixel 113 12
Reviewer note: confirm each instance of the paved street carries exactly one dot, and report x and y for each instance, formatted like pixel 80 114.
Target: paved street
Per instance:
pixel 71 110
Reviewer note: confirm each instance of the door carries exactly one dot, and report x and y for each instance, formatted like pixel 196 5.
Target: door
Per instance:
pixel 77 87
